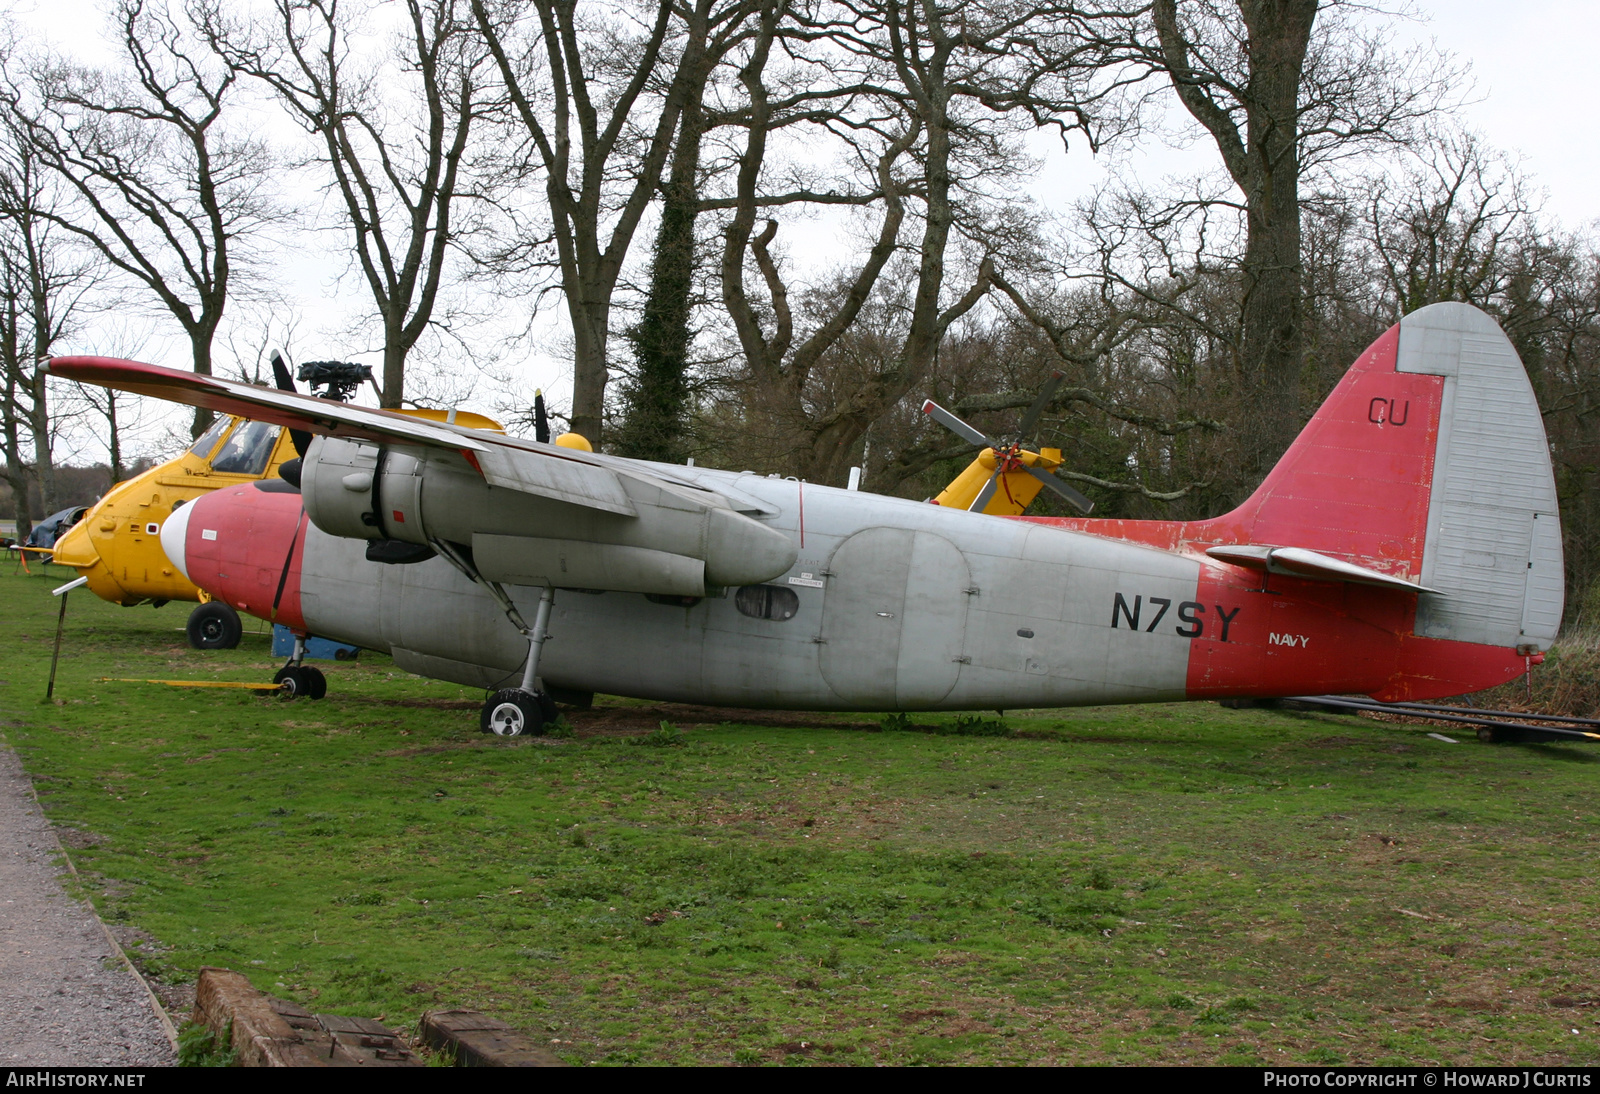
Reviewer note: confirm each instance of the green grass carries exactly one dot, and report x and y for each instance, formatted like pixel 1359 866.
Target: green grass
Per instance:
pixel 1141 884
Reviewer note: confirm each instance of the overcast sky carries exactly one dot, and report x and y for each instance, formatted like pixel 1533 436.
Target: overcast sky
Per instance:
pixel 1536 87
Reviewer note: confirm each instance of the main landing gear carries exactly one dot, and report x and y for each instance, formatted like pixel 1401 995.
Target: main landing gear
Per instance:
pixel 296 679
pixel 524 711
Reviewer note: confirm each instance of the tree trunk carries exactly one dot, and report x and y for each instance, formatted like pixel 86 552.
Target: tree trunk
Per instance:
pixel 1272 343
pixel 1264 162
pixel 394 370
pixel 44 468
pixel 657 398
pixel 114 440
pixel 589 308
pixel 200 348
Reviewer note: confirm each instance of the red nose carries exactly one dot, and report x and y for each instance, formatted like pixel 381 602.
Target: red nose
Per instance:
pixel 244 545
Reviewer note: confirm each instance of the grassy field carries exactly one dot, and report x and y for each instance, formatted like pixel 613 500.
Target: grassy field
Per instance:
pixel 1178 884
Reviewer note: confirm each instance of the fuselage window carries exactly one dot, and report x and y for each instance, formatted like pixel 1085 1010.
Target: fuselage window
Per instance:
pixel 247 449
pixel 767 602
pixel 208 440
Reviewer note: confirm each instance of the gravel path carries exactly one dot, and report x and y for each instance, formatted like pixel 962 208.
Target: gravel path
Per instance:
pixel 66 999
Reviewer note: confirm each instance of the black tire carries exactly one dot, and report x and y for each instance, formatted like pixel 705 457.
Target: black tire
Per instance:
pixel 316 683
pixel 547 707
pixel 513 712
pixel 299 682
pixel 214 626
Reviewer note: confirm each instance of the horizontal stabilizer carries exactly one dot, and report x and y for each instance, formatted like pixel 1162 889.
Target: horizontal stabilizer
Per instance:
pixel 1299 562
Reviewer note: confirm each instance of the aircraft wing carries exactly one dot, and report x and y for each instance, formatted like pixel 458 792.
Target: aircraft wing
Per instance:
pixel 546 470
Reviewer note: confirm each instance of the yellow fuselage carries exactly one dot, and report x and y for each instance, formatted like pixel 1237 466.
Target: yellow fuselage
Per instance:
pixel 1015 491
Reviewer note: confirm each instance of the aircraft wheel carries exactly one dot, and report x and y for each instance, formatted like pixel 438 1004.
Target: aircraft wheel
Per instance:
pixel 214 626
pixel 301 681
pixel 316 683
pixel 513 712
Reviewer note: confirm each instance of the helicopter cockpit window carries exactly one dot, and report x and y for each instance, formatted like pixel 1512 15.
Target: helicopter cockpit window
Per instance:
pixel 767 602
pixel 208 440
pixel 247 449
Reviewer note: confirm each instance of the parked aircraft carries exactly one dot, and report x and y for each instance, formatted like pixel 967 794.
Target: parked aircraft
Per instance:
pixel 1407 547
pixel 116 544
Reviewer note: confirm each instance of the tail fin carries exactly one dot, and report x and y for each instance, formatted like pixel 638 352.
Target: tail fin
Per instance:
pixel 1428 462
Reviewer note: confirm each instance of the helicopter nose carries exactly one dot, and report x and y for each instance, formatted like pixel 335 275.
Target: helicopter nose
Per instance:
pixel 174 537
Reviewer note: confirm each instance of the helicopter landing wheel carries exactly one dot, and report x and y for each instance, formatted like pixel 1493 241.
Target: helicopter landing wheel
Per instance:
pixel 301 680
pixel 513 712
pixel 214 626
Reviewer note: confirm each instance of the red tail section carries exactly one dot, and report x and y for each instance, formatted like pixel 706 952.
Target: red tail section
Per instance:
pixel 1355 484
pixel 1362 484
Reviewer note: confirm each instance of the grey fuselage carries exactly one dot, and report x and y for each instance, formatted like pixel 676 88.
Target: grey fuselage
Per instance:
pixel 900 605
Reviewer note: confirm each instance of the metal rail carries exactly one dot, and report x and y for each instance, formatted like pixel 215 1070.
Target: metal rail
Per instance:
pixel 1488 719
pixel 1496 713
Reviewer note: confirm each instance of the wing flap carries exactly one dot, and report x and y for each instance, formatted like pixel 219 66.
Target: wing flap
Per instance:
pixel 564 480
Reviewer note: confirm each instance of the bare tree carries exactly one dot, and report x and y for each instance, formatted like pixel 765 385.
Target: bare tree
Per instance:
pixel 165 191
pixel 926 98
pixel 1447 228
pixel 1282 88
pixel 600 101
pixel 401 184
pixel 44 279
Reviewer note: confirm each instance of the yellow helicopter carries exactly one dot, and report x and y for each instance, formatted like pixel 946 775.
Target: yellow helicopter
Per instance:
pixel 116 546
pixel 1005 477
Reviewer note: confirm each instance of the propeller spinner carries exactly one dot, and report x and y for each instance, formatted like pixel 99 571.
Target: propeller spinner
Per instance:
pixel 1009 454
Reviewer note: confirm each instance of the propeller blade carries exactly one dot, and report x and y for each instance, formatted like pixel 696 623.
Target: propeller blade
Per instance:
pixel 957 426
pixel 541 421
pixel 1083 504
pixel 297 437
pixel 1036 411
pixel 982 500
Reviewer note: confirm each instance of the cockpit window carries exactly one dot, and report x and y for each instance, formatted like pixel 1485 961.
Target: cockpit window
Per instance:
pixel 208 440
pixel 247 449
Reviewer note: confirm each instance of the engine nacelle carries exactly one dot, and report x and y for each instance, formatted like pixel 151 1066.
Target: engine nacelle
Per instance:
pixel 679 542
pixel 364 491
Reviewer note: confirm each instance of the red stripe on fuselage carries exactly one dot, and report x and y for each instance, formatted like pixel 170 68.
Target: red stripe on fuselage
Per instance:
pixel 253 533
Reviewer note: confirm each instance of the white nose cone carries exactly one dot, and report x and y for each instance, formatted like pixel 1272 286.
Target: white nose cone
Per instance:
pixel 174 534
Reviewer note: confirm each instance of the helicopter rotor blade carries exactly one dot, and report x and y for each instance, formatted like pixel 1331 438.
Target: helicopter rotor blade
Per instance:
pixel 280 372
pixel 1036 411
pixel 1083 504
pixel 980 502
pixel 541 420
pixel 285 381
pixel 957 426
